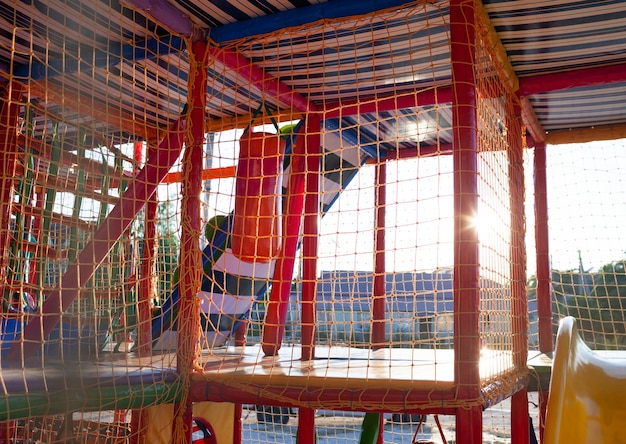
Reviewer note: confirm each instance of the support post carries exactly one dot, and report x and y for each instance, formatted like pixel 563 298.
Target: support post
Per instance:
pixel 306 417
pixel 238 424
pixel 143 345
pixel 310 235
pixel 190 253
pixel 544 303
pixel 519 300
pixel 8 162
pixel 306 426
pixel 520 430
pixel 379 284
pixel 240 333
pixel 147 268
pixel 278 304
pixel 544 300
pixel 466 244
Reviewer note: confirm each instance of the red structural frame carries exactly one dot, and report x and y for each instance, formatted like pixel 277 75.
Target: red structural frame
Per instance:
pixel 300 186
pixel 542 254
pixel 576 78
pixel 520 432
pixel 190 253
pixel 310 235
pixel 466 271
pixel 302 206
pixel 379 296
pixel 8 162
pixel 143 342
pixel 278 304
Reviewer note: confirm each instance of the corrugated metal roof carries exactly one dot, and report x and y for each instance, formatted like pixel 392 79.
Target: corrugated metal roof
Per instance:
pixel 560 36
pixel 120 59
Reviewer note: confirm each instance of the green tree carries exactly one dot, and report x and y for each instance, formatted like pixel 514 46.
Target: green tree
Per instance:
pixel 168 247
pixel 596 300
pixel 609 293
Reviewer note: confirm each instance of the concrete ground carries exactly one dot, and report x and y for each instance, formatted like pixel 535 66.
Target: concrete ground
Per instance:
pixel 345 427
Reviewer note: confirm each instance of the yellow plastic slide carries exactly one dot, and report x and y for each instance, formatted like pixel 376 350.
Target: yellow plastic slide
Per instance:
pixel 587 401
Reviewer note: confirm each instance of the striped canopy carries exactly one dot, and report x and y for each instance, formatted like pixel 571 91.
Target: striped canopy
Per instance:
pixel 569 56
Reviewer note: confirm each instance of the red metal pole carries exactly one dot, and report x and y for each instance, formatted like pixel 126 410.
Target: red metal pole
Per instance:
pixel 441 149
pixel 389 102
pixel 306 426
pixel 257 77
pixel 520 431
pixel 379 284
pixel 238 424
pixel 8 431
pixel 146 283
pixel 143 345
pixel 597 75
pixel 466 244
pixel 519 302
pixel 190 253
pixel 278 304
pixel 310 236
pixel 8 162
pixel 544 274
pixel 240 333
pixel 544 301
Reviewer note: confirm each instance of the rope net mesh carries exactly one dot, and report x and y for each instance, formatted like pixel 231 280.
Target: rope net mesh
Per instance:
pixel 105 249
pixel 585 216
pixel 499 219
pixel 75 135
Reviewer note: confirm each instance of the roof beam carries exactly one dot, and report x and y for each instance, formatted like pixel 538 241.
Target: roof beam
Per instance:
pixel 261 80
pixel 299 17
pixel 583 135
pixel 532 123
pixel 575 78
pixel 388 102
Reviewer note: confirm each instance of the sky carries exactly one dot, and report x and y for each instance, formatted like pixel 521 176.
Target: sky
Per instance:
pixel 586 203
pixel 418 217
